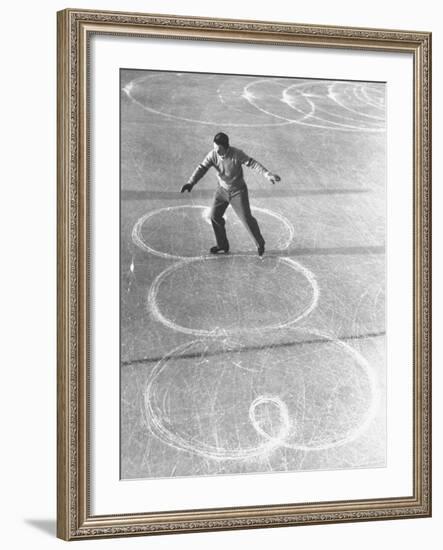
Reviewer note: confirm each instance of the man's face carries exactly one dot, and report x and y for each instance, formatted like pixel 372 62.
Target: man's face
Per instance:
pixel 220 149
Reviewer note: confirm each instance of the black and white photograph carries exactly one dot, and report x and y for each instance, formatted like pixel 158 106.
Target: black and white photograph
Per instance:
pixel 252 274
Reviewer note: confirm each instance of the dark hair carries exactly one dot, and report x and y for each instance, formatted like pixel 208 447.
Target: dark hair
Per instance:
pixel 221 139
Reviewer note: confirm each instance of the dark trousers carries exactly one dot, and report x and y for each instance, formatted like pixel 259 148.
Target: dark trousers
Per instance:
pixel 239 200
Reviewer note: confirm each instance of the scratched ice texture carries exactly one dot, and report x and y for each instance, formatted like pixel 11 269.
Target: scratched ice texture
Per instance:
pixel 235 364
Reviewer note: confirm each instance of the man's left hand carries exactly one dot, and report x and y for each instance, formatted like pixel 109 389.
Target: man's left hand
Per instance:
pixel 274 178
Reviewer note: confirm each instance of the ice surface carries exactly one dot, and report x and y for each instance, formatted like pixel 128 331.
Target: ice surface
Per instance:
pixel 231 364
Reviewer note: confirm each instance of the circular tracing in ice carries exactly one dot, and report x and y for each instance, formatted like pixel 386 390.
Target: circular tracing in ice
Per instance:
pixel 232 294
pixel 185 232
pixel 228 399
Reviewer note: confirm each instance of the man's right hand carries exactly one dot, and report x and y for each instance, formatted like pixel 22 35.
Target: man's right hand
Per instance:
pixel 187 187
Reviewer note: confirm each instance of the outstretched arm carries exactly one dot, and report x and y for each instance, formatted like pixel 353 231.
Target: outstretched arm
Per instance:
pixel 198 173
pixel 255 165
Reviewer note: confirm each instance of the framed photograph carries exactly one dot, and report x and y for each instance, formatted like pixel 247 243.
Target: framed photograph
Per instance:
pixel 244 293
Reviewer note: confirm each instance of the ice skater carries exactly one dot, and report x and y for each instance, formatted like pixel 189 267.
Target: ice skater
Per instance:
pixel 232 189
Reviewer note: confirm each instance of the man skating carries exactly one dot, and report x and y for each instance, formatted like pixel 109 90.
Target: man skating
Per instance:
pixel 232 189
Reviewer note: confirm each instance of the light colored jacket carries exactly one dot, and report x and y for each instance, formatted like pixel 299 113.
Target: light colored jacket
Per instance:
pixel 229 168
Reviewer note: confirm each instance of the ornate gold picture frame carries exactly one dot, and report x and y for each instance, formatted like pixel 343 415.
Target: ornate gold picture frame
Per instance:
pixel 78 516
